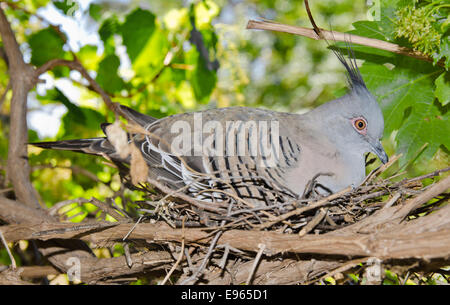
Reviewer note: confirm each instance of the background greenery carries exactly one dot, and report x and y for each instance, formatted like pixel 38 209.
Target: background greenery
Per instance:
pixel 166 57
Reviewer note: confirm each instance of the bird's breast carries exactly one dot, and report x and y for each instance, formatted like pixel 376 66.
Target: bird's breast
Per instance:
pixel 333 170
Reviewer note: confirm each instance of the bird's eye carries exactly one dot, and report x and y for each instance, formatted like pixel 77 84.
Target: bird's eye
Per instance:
pixel 360 124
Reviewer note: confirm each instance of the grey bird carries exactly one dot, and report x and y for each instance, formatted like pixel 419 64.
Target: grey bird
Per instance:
pixel 254 154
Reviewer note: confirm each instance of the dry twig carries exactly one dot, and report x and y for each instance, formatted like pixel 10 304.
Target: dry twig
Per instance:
pixel 178 260
pixel 336 36
pixel 11 257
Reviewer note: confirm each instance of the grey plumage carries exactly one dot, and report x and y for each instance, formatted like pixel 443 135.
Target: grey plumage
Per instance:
pixel 329 142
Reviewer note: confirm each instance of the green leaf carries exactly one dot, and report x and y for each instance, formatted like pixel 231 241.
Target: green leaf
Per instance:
pixel 109 27
pixel 150 60
pixel 95 11
pixel 203 80
pixel 425 124
pixel 442 91
pixel 136 31
pixel 67 7
pixel 45 45
pixel 383 28
pixel 445 51
pixel 72 127
pixel 77 115
pixel 32 135
pixel 406 96
pixel 107 76
pixel 371 29
pixel 353 277
pixel 88 57
pixel 390 278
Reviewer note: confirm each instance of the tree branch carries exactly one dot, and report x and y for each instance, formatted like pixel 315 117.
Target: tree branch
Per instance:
pixel 22 81
pixel 76 65
pixel 15 212
pixel 423 238
pixel 337 36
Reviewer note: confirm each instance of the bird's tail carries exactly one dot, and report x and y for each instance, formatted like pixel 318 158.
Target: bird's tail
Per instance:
pixel 92 146
pixel 99 146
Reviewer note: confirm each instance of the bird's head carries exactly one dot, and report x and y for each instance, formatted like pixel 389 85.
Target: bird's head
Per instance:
pixel 362 119
pixel 356 118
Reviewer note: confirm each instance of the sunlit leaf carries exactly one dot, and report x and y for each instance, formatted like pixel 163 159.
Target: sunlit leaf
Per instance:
pixel 107 76
pixel 149 62
pixel 95 11
pixel 176 18
pixel 68 7
pixel 205 11
pixel 202 80
pixel 45 45
pixel 108 28
pixel 442 91
pixel 136 31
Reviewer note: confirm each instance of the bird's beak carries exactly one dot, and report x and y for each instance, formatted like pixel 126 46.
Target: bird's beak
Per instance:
pixel 378 149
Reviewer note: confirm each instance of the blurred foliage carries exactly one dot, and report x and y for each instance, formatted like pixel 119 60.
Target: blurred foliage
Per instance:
pixel 172 56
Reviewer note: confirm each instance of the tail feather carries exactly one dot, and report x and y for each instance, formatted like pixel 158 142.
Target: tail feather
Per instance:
pixel 93 146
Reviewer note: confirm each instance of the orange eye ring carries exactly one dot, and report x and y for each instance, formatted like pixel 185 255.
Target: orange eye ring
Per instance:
pixel 360 124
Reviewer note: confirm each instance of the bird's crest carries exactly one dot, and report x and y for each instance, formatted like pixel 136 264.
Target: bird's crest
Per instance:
pixel 354 77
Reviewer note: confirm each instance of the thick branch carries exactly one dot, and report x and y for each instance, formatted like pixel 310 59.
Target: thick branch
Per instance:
pixel 422 238
pixel 94 269
pixel 424 245
pixel 270 272
pixel 22 80
pixel 15 212
pixel 336 36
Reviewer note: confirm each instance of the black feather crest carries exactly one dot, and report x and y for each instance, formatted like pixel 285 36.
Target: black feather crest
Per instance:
pixel 354 77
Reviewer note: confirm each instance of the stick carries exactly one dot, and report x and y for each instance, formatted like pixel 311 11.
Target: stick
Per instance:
pixel 11 257
pixel 76 65
pixel 311 19
pixel 435 190
pixel 180 257
pixel 133 227
pixel 262 247
pixel 198 272
pixel 337 36
pixel 108 209
pixel 380 169
pixel 128 259
pixel 314 222
pixel 299 211
pixel 223 261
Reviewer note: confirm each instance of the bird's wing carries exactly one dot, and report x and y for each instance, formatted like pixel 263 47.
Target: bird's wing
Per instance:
pixel 136 117
pixel 252 154
pixel 246 158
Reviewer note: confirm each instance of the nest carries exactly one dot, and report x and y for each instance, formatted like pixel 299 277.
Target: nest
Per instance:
pixel 313 215
pixel 317 214
pixel 401 223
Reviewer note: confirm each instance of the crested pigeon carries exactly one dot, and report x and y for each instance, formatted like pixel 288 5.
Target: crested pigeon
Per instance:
pixel 245 151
